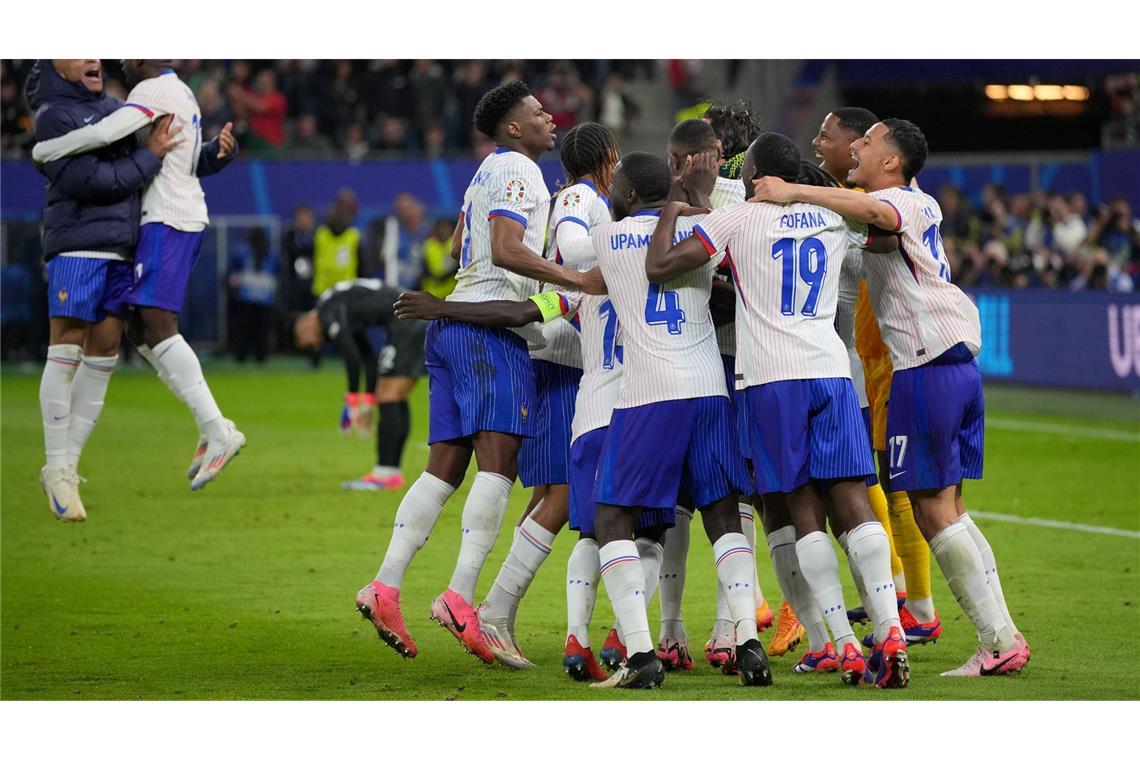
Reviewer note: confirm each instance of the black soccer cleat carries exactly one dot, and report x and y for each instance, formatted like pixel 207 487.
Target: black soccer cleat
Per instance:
pixel 752 663
pixel 641 671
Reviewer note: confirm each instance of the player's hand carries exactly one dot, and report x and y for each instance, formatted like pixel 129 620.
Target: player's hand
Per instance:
pixel 418 305
pixel 592 283
pixel 677 208
pixel 162 138
pixel 700 172
pixel 772 189
pixel 227 144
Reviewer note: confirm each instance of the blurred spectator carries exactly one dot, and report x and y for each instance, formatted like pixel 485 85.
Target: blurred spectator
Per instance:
pixel 428 88
pixel 391 134
pixel 563 95
pixel 215 110
pixel 401 253
pixel 686 84
pixel 340 105
pixel 1118 232
pixel 15 121
pixel 615 108
pixel 434 140
pixel 1123 127
pixel 298 247
pixel 1056 227
pixel 336 244
pixel 470 82
pixel 439 268
pixel 958 221
pixel 265 108
pixel 1098 272
pixel 355 143
pixel 307 137
pixel 253 271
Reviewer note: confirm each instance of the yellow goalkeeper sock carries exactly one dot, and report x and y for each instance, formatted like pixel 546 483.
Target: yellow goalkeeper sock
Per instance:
pixel 915 555
pixel 878 501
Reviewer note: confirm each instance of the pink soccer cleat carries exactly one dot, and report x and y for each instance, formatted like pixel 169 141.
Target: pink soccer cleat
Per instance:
pixel 855 670
pixel 380 605
pixel 988 663
pixel 1024 644
pixel 892 670
pixel 453 612
pixel 764 617
pixel 370 482
pixel 823 661
pixel 674 655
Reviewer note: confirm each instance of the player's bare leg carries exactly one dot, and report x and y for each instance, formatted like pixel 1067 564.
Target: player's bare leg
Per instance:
pixel 379 601
pixel 65 355
pixel 956 551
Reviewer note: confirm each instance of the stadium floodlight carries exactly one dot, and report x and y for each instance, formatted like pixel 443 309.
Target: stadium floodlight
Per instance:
pixel 1047 92
pixel 1021 91
pixel 1075 92
pixel 996 92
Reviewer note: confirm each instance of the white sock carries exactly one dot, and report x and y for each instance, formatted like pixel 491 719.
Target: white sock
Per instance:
pixel 672 576
pixel 989 564
pixel 782 550
pixel 418 511
pixel 795 588
pixel 87 393
pixel 735 568
pixel 625 585
pixel 748 528
pixel 181 364
pixel 856 576
pixel 55 399
pixel 380 471
pixel 529 550
pixel 652 554
pixel 961 563
pixel 869 553
pixel 922 609
pixel 146 353
pixel 581 589
pixel 482 518
pixel 821 570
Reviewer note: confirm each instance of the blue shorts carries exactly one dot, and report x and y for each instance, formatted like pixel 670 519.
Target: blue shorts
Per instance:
pixel 479 378
pixel 545 458
pixel 738 417
pixel 654 451
pixel 804 430
pixel 163 260
pixel 935 425
pixel 88 289
pixel 873 478
pixel 584 456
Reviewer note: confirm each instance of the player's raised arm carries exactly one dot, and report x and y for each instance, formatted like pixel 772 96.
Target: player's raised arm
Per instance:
pixel 123 122
pixel 858 206
pixel 543 307
pixel 510 252
pixel 664 261
pixel 574 244
pixel 218 153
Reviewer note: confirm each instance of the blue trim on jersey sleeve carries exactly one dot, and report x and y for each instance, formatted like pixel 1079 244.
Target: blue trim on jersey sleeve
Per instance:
pixel 647 212
pixel 574 219
pixel 897 213
pixel 144 109
pixel 705 239
pixel 509 214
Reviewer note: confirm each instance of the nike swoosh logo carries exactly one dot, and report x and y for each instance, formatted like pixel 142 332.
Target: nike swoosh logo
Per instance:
pixel 88 119
pixel 458 627
pixel 900 472
pixel 57 419
pixel 59 508
pixel 995 668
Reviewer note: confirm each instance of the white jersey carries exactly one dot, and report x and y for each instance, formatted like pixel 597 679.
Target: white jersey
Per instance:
pixel 850 275
pixel 920 312
pixel 786 262
pixel 670 347
pixel 726 192
pixel 602 364
pixel 578 204
pixel 507 184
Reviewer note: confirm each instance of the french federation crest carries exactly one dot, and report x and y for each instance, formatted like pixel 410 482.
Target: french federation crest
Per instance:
pixel 516 190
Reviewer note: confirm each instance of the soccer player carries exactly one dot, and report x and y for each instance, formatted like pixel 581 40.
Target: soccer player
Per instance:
pixel 672 428
pixel 481 381
pixel 588 153
pixel 935 422
pixel 91 225
pixel 910 556
pixel 343 315
pixel 173 220
pixel 804 427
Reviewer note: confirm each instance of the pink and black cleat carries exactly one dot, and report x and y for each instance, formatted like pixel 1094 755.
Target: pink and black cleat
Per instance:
pixel 380 605
pixel 985 662
pixel 823 661
pixel 453 612
pixel 889 661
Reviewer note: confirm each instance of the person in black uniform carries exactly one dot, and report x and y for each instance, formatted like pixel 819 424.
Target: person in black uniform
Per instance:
pixel 342 316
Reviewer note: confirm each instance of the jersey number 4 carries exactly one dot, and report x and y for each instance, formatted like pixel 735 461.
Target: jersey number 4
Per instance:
pixel 812 269
pixel 661 308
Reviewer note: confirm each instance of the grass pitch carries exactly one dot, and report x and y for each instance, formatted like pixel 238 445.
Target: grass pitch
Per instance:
pixel 245 590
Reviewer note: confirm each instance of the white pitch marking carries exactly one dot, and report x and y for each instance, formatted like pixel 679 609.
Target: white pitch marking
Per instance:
pixel 1004 423
pixel 1042 523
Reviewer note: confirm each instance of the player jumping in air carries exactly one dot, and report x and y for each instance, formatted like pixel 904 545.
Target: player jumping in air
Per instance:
pixel 935 422
pixel 173 219
pixel 481 382
pixel 804 428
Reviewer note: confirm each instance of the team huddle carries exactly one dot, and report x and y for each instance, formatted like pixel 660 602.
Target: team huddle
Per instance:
pixel 701 333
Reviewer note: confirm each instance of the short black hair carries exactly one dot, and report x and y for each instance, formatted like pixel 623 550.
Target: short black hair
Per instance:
pixel 910 141
pixel 775 155
pixel 735 125
pixel 854 119
pixel 648 174
pixel 811 174
pixel 495 105
pixel 693 136
pixel 586 149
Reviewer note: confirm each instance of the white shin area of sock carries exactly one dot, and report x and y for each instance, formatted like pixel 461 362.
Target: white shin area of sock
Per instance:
pixel 652 554
pixel 415 517
pixel 625 585
pixel 748 528
pixel 581 589
pixel 55 399
pixel 869 553
pixel 529 550
pixel 782 550
pixel 88 392
pixel 820 569
pixel 482 518
pixel 672 575
pixel 856 576
pixel 989 564
pixel 957 555
pixel 735 567
pixel 175 357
